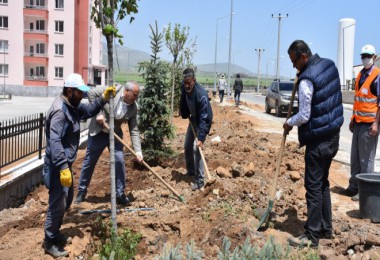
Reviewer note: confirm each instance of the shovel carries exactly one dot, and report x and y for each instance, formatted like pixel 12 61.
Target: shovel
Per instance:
pixel 148 167
pixel 88 212
pixel 202 155
pixel 272 193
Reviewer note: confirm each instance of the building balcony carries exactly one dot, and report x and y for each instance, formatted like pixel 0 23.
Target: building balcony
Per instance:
pixel 27 30
pixel 38 5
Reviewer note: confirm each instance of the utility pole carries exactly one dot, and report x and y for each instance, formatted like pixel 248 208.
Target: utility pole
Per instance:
pixel 229 55
pixel 258 51
pixel 278 43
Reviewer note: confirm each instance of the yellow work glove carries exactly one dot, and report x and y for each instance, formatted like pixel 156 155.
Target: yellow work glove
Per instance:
pixel 107 93
pixel 65 177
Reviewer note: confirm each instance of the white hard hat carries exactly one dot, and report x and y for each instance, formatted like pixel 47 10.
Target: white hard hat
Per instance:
pixel 368 49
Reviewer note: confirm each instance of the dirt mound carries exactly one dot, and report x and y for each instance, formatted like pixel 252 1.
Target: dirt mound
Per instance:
pixel 241 159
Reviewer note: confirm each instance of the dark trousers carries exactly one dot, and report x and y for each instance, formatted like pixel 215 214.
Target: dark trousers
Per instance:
pixel 237 97
pixel 221 95
pixel 60 199
pixel 318 157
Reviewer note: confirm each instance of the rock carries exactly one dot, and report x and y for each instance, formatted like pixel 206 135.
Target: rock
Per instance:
pixel 215 191
pixel 294 176
pixel 237 169
pixel 350 252
pixel 372 239
pixel 142 205
pixel 223 173
pixel 249 170
pixel 210 199
pixel 246 149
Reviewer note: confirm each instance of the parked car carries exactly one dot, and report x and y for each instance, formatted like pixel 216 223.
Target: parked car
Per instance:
pixel 278 97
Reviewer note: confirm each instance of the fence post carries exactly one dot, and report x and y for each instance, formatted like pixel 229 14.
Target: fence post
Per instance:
pixel 41 127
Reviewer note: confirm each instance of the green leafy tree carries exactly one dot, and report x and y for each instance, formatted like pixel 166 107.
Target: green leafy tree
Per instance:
pixel 154 109
pixel 106 14
pixel 175 41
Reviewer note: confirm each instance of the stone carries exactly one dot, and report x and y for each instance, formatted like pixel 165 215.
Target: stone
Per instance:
pixel 223 173
pixel 294 176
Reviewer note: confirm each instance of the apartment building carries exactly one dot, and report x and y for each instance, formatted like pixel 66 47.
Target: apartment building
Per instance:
pixel 51 39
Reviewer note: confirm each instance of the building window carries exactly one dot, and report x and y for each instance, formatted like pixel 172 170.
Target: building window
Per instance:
pixel 40 25
pixel 59 4
pixel 40 48
pixel 59 26
pixel 3 1
pixel 40 71
pixel 3 46
pixel 59 72
pixel 3 21
pixel 3 69
pixel 40 3
pixel 59 49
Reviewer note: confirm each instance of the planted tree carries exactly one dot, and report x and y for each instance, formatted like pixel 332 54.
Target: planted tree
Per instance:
pixel 154 109
pixel 106 14
pixel 175 42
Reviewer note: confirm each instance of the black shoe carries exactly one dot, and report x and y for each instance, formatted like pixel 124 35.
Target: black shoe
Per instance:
pixel 54 250
pixel 325 235
pixel 122 200
pixel 349 192
pixel 301 241
pixel 197 185
pixel 80 197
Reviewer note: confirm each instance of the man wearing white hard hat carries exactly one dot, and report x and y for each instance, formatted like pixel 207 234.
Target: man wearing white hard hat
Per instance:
pixel 62 130
pixel 365 120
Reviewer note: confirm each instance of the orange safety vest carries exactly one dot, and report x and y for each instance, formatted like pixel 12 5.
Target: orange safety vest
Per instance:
pixel 365 103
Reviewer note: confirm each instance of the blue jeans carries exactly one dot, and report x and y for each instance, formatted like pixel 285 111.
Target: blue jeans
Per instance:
pixel 95 147
pixel 363 152
pixel 194 164
pixel 60 199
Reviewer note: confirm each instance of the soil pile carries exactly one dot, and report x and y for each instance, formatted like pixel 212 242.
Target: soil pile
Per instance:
pixel 240 158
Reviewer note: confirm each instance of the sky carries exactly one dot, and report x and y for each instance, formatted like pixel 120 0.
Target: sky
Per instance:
pixel 314 21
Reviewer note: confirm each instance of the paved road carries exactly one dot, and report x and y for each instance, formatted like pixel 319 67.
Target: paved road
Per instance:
pixel 345 135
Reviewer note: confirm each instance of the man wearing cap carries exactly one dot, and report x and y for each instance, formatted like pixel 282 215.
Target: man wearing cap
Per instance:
pixel 62 139
pixel 365 120
pixel 195 105
pixel 222 87
pixel 125 111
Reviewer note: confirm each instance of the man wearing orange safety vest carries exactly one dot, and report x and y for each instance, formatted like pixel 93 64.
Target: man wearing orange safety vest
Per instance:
pixel 365 120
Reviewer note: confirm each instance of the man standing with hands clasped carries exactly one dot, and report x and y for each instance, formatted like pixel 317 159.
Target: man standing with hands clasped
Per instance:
pixel 62 141
pixel 319 119
pixel 364 121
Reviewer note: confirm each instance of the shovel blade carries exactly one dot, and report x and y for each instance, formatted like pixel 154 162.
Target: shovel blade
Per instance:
pixel 266 214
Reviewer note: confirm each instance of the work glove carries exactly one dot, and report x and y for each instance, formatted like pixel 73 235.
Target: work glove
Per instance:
pixel 107 93
pixel 65 177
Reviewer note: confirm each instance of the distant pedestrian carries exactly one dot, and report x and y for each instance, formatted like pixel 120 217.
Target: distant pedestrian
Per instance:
pixel 195 105
pixel 62 141
pixel 98 138
pixel 238 88
pixel 319 119
pixel 365 120
pixel 222 84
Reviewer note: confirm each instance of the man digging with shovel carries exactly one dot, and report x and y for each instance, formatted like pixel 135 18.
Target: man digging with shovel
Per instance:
pixel 319 120
pixel 195 105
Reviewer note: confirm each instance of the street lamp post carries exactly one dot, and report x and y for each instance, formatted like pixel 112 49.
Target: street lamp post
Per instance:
pixel 216 48
pixel 278 43
pixel 344 65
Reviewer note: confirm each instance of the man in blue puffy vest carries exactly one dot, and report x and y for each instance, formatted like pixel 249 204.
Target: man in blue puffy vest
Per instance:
pixel 319 119
pixel 195 105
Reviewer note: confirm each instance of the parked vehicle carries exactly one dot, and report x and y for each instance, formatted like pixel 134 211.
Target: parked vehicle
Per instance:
pixel 278 97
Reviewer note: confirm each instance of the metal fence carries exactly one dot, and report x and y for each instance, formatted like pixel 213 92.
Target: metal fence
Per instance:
pixel 21 137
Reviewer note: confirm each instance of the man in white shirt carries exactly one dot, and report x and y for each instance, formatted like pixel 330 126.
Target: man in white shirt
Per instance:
pixel 319 120
pixel 125 111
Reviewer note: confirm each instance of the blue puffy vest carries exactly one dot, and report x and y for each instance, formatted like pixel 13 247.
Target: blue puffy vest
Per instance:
pixel 326 106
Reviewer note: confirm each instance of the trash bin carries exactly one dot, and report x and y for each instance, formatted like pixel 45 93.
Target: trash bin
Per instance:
pixel 369 196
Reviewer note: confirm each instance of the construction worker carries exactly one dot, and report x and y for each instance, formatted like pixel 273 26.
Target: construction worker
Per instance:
pixel 365 120
pixel 319 119
pixel 195 105
pixel 62 141
pixel 98 138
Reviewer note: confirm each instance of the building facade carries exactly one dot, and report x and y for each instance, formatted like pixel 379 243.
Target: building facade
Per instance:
pixel 51 39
